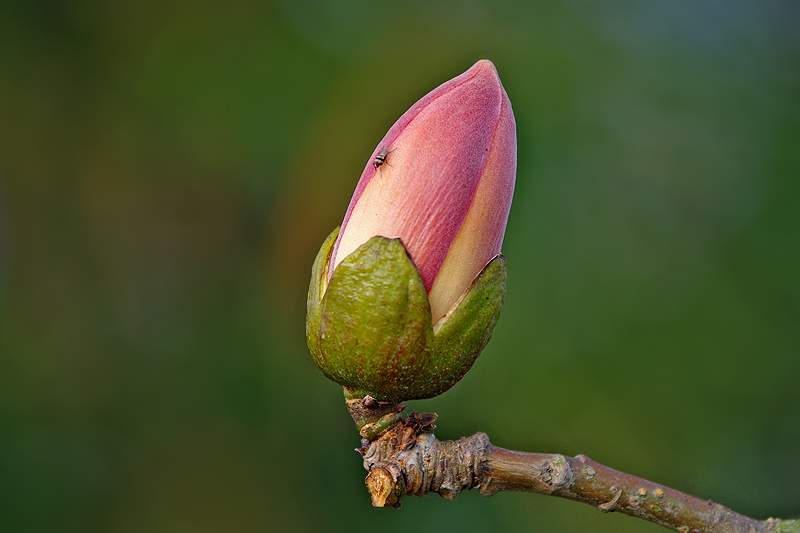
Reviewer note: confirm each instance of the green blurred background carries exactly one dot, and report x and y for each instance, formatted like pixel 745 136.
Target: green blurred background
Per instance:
pixel 169 169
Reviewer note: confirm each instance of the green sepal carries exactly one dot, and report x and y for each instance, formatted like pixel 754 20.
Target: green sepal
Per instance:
pixel 316 288
pixel 370 328
pixel 461 335
pixel 375 322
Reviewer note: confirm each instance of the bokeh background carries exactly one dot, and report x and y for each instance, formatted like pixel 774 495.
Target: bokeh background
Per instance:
pixel 169 169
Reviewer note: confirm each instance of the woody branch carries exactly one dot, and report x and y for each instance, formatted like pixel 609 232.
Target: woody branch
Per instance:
pixel 407 460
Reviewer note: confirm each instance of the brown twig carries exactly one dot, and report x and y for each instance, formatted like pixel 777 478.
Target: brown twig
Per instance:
pixel 406 459
pixel 584 480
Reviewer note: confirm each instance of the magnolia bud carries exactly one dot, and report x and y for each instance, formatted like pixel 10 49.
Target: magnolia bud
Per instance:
pixel 404 298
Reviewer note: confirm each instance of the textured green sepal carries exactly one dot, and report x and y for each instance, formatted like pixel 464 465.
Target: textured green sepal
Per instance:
pixel 375 322
pixel 461 335
pixel 370 328
pixel 316 289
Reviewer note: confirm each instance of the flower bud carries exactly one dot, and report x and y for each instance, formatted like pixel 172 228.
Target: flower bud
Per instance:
pixel 406 295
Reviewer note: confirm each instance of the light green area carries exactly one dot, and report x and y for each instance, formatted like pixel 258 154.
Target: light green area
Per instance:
pixel 168 171
pixel 786 526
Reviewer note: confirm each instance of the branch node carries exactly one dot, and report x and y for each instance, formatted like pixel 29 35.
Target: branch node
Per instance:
pixel 386 485
pixel 557 473
pixel 407 460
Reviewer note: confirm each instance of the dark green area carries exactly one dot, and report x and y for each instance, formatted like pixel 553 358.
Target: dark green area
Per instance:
pixel 168 171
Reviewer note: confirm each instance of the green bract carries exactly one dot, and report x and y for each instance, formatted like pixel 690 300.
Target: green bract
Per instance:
pixel 370 329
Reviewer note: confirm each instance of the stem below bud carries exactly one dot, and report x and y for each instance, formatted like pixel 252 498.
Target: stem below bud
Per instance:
pixel 406 459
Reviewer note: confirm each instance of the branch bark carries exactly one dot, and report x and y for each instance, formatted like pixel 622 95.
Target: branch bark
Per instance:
pixel 406 459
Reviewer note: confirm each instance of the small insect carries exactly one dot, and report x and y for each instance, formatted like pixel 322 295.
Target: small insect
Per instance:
pixel 380 159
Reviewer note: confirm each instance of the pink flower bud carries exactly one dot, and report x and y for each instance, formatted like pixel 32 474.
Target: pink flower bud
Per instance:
pixel 441 180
